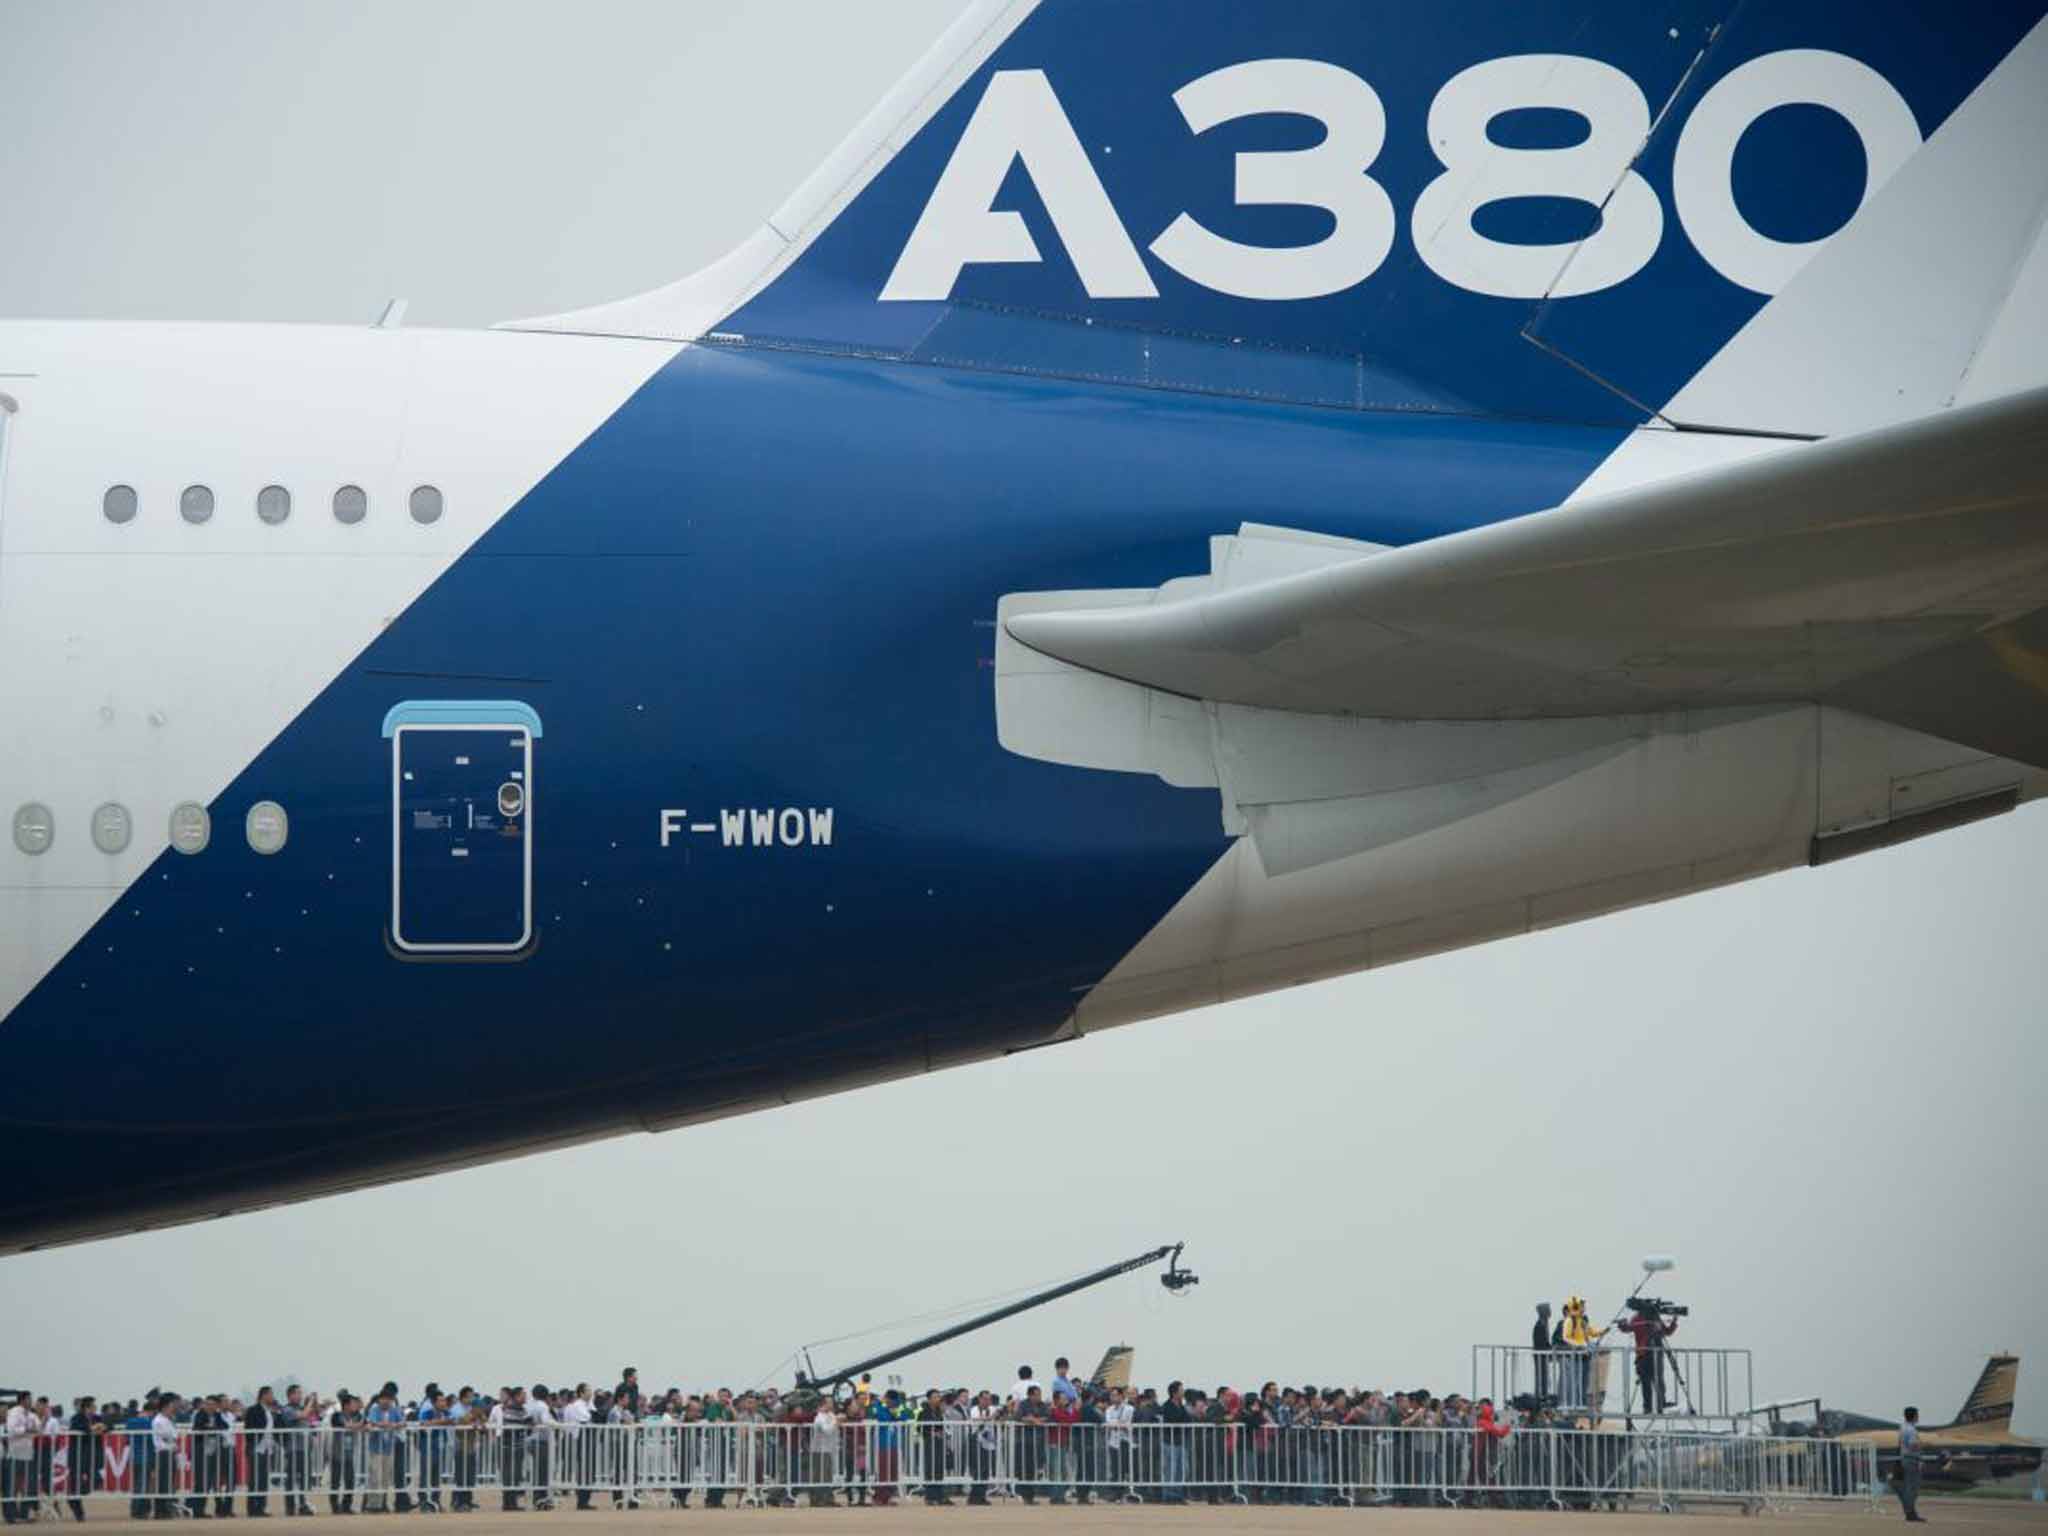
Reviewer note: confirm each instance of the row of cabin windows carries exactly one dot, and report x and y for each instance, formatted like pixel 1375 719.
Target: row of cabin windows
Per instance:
pixel 273 504
pixel 265 826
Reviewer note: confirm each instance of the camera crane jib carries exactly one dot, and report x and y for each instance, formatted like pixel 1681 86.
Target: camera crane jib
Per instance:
pixel 1176 1280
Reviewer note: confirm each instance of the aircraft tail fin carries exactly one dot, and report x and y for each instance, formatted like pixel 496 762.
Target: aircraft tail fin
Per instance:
pixel 1559 210
pixel 1989 1405
pixel 1115 1369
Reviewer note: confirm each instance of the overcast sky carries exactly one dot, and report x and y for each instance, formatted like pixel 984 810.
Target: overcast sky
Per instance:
pixel 1823 1091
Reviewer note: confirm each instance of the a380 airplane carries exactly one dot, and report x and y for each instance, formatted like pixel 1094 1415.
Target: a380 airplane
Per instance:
pixel 1190 499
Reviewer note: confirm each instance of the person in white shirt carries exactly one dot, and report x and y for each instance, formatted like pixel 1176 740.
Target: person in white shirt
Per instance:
pixel 1117 1415
pixel 1910 1466
pixel 984 1428
pixel 18 1498
pixel 577 1446
pixel 541 1413
pixel 1021 1387
pixel 823 1456
pixel 163 1458
pixel 49 1436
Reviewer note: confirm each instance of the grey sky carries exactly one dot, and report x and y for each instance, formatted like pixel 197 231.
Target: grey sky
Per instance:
pixel 1823 1091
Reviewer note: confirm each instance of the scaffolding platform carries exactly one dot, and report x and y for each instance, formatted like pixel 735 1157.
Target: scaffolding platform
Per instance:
pixel 1703 1389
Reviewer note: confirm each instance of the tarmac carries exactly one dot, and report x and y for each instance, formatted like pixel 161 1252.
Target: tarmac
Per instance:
pixel 1980 1517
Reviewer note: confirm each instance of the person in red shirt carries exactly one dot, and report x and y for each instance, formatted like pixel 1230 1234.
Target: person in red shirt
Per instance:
pixel 1650 1333
pixel 1487 1432
pixel 1059 1439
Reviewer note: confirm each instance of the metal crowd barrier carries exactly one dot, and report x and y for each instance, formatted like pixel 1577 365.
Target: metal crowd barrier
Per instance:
pixel 394 1468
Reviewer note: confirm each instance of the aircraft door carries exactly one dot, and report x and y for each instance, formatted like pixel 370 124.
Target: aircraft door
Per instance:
pixel 462 826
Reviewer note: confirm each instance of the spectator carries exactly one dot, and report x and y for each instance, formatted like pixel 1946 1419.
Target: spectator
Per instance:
pixel 18 1499
pixel 715 1446
pixel 1145 1451
pixel 983 1421
pixel 626 1401
pixel 290 1418
pixel 824 1452
pixel 856 1442
pixel 1581 1338
pixel 1173 1449
pixel 228 1454
pixel 1063 1413
pixel 1286 1475
pixel 1456 1419
pixel 576 1411
pixel 82 1454
pixel 1310 1424
pixel 890 1416
pixel 1486 1443
pixel 471 1415
pixel 257 1425
pixel 931 1438
pixel 540 1415
pixel 163 1458
pixel 955 1414
pixel 48 1428
pixel 1116 1438
pixel 1088 1445
pixel 627 1468
pixel 379 1468
pixel 511 1420
pixel 437 1412
pixel 1228 1409
pixel 1256 1447
pixel 1032 1416
pixel 1021 1388
pixel 344 1423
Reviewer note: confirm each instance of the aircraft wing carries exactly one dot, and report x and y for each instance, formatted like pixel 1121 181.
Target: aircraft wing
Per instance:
pixel 1900 572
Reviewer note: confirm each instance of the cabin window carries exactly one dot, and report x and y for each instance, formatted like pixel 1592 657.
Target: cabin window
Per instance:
pixel 34 828
pixel 351 504
pixel 195 503
pixel 267 827
pixel 112 826
pixel 426 504
pixel 191 828
pixel 273 504
pixel 118 505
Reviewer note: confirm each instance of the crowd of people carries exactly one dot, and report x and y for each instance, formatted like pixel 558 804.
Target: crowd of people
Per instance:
pixel 217 1455
pixel 1055 1439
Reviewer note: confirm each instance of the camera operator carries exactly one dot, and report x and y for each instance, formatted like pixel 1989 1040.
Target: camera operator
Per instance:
pixel 1650 1326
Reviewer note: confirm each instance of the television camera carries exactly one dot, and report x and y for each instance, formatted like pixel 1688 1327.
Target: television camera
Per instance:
pixel 1656 1306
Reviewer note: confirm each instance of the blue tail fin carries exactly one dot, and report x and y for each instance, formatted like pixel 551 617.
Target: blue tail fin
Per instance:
pixel 1556 209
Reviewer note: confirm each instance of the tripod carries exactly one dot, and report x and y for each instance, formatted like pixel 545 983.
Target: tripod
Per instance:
pixel 1662 1359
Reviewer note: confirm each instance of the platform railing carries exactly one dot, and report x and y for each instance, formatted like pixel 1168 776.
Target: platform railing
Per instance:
pixel 398 1468
pixel 1711 1387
